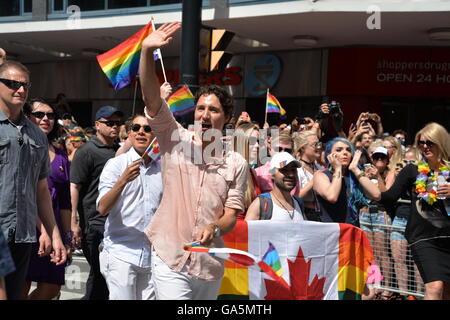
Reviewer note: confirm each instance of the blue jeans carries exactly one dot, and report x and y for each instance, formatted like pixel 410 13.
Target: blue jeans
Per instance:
pixel 374 222
pixel 399 234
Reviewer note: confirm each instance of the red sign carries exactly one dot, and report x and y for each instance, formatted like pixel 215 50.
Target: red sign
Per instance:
pixel 229 77
pixel 412 72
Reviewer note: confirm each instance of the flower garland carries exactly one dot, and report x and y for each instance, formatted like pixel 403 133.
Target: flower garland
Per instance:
pixel 430 195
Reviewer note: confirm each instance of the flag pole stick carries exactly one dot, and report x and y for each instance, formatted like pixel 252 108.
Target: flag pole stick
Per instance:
pixel 135 94
pixel 160 55
pixel 267 102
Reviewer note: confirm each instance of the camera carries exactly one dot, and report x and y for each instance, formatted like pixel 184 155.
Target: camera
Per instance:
pixel 335 108
pixel 302 121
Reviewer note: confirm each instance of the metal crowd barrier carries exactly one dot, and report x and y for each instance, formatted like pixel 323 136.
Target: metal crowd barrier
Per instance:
pixel 394 259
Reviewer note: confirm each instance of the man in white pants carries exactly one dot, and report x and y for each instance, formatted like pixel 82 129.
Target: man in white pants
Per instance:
pixel 130 191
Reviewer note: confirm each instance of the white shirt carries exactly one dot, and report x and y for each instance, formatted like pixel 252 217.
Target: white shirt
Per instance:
pixel 124 236
pixel 281 214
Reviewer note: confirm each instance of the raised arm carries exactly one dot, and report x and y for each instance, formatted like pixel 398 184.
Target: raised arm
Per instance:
pixel 150 86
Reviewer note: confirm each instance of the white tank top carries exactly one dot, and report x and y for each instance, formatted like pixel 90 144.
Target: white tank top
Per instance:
pixel 281 214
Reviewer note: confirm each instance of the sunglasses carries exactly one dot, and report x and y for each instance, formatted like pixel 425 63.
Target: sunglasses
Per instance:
pixel 424 143
pixel 111 123
pixel 281 149
pixel 136 127
pixel 405 161
pixel 379 157
pixel 41 115
pixel 15 85
pixel 316 145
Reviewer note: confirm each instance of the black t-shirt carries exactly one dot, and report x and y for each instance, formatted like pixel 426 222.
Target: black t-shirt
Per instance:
pixel 425 221
pixel 85 170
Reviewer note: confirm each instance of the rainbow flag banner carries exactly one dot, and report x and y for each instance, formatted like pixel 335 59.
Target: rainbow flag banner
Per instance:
pixel 182 101
pixel 121 63
pixel 273 105
pixel 312 261
pixel 153 150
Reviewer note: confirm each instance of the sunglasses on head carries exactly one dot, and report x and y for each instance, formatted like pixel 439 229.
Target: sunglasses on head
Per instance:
pixel 281 149
pixel 41 115
pixel 15 85
pixel 111 123
pixel 136 127
pixel 426 142
pixel 379 156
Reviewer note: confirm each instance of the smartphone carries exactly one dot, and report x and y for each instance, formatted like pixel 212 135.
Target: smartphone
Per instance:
pixel 367 166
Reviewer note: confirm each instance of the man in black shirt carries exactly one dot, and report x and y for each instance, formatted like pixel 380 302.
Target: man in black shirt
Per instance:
pixel 85 170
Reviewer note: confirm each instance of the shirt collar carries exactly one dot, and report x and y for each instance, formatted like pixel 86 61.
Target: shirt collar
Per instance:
pixel 22 118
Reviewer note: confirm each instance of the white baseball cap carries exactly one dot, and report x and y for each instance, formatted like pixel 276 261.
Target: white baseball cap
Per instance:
pixel 382 150
pixel 281 160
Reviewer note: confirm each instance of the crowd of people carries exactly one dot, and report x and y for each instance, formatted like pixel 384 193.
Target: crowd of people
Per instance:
pixel 65 188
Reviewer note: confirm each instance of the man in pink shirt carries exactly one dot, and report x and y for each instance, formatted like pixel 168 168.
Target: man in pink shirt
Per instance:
pixel 202 194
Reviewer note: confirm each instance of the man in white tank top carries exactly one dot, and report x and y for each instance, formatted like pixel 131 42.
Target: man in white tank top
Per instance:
pixel 283 168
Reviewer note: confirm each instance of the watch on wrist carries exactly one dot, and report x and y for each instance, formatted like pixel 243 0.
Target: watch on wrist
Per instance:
pixel 216 232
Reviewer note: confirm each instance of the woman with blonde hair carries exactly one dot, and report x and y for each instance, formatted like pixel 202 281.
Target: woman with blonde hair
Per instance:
pixel 245 142
pixel 428 226
pixel 308 150
pixel 394 150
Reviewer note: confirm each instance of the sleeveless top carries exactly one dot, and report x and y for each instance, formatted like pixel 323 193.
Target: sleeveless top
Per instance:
pixel 339 211
pixel 281 214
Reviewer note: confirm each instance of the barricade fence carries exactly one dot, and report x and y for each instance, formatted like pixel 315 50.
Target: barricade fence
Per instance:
pixel 393 256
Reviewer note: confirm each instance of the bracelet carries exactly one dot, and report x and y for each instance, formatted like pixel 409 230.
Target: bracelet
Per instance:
pixel 339 175
pixel 67 238
pixel 361 174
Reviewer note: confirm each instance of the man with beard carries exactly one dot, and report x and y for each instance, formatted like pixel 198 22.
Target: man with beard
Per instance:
pixel 279 204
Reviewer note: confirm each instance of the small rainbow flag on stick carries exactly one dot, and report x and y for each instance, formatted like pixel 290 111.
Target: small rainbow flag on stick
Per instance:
pixel 182 101
pixel 273 105
pixel 121 63
pixel 153 150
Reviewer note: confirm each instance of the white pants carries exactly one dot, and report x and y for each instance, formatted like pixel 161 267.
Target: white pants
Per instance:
pixel 173 285
pixel 126 281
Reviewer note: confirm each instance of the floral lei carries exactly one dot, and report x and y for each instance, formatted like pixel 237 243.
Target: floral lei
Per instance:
pixel 430 195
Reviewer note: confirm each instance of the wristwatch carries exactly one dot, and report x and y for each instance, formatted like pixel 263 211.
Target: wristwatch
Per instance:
pixel 216 232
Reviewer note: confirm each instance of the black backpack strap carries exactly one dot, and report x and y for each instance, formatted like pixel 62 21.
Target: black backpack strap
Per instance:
pixel 265 206
pixel 301 206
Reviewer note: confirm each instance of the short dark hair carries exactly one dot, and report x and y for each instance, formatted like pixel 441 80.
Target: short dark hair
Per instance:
pixel 403 132
pixel 226 100
pixel 9 64
pixel 28 109
pixel 130 120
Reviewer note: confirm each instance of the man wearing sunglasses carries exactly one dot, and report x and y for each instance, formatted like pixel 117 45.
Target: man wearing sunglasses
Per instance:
pixel 85 171
pixel 24 167
pixel 130 191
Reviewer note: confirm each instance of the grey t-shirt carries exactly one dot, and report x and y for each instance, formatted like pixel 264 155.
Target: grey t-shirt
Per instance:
pixel 24 160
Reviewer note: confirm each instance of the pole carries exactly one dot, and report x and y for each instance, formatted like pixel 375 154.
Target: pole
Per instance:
pixel 135 94
pixel 159 55
pixel 190 39
pixel 267 102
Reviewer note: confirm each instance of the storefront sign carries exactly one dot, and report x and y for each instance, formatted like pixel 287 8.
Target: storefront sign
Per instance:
pixel 263 74
pixel 414 72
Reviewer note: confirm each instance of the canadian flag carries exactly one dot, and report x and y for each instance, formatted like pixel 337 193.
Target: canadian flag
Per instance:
pixel 327 261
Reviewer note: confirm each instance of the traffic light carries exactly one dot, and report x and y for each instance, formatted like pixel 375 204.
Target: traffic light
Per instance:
pixel 217 57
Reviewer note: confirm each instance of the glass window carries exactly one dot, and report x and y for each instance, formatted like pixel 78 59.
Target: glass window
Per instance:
pixel 58 5
pixel 159 2
pixel 10 8
pixel 88 5
pixel 116 4
pixel 27 6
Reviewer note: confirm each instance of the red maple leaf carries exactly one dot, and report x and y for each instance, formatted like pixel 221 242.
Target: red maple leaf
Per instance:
pixel 299 289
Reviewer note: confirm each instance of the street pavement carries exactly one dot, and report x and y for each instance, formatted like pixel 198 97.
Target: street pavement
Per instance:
pixel 76 277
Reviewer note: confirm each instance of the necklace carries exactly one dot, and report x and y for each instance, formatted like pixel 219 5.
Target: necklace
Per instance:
pixel 311 164
pixel 426 186
pixel 291 215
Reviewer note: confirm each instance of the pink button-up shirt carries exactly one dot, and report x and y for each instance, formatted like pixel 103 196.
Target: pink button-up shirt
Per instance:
pixel 194 196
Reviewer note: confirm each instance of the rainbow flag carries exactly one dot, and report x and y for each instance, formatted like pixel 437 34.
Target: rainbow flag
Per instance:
pixel 273 105
pixel 182 101
pixel 153 150
pixel 121 63
pixel 319 261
